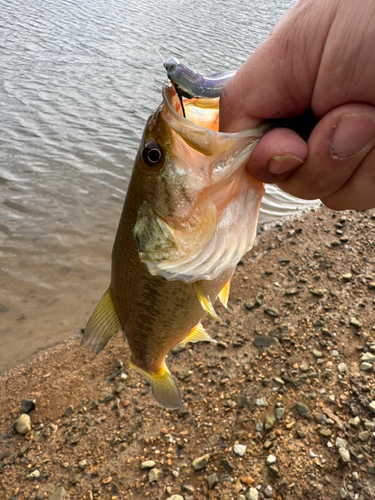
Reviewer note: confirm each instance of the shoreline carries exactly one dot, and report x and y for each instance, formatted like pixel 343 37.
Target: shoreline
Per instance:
pixel 285 382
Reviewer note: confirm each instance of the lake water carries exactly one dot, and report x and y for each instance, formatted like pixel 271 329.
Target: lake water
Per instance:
pixel 77 82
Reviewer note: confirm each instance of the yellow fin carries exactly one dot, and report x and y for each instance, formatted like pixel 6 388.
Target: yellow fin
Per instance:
pixel 164 388
pixel 102 325
pixel 205 301
pixel 198 334
pixel 224 293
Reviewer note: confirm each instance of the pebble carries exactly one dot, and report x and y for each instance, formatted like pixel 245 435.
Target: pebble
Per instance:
pixel 343 493
pixel 148 464
pixel 268 491
pixel 354 422
pixel 271 311
pixel 368 357
pixel 69 410
pixel 302 409
pixel 82 464
pixel 334 353
pixel 262 402
pixel 354 322
pixel 23 424
pixel 364 436
pixel 280 413
pixel 269 422
pixel 365 367
pixel 259 426
pixel 347 277
pixel 34 475
pixel 182 411
pixel 239 449
pixel 341 443
pixel 271 459
pixel 154 475
pixel 252 494
pixel 344 455
pixel 60 493
pixel 175 497
pixel 201 462
pixel 212 481
pixel 28 405
pixel 342 368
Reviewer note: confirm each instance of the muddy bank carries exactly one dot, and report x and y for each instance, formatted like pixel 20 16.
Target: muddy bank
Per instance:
pixel 282 407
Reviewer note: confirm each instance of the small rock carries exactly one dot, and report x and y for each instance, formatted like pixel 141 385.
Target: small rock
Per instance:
pixel 269 422
pixel 372 406
pixel 242 401
pixel 252 494
pixel 267 445
pixel 321 418
pixel 354 422
pixel 354 322
pixel 28 405
pixel 280 413
pixel 343 493
pixel 302 409
pixel 271 459
pixel 368 357
pixel 347 277
pixel 34 475
pixel 335 353
pixel 23 424
pixel 278 381
pixel 344 455
pixel 148 464
pixel 175 497
pixel 69 410
pixel 341 443
pixel 201 462
pixel 188 488
pixel 212 481
pixel 291 291
pixel 325 433
pixel 273 469
pixel 262 402
pixel 265 341
pixel 268 491
pixel 342 368
pixel 364 436
pixel 317 292
pixel 60 493
pixel 182 411
pixel 239 449
pixel 119 388
pixel 365 367
pixel 154 475
pixel 271 311
pixel 83 464
pixel 317 354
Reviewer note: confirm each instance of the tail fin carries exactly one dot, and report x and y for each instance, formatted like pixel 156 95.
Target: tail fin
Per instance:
pixel 103 324
pixel 164 388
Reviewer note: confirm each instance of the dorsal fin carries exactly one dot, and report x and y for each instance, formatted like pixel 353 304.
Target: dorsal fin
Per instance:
pixel 103 324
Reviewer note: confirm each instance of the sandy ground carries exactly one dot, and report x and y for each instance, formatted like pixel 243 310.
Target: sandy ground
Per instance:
pixel 282 407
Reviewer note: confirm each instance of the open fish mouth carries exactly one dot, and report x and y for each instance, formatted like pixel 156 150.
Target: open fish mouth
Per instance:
pixel 208 168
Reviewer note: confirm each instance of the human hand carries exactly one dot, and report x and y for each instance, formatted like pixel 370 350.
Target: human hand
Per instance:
pixel 320 56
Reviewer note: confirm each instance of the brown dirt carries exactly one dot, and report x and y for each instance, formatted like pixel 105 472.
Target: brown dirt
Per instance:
pixel 292 294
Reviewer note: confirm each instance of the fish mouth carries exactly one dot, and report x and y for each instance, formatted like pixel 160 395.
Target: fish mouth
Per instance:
pixel 224 197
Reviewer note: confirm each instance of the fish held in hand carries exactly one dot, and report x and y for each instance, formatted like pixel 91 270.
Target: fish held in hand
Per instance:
pixel 189 216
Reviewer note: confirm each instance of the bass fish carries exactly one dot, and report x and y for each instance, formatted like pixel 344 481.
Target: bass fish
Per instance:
pixel 190 214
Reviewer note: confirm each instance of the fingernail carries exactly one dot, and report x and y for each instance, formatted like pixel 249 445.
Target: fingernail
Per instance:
pixel 282 164
pixel 352 134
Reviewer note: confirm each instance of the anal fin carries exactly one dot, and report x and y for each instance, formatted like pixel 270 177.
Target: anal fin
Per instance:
pixel 198 334
pixel 205 301
pixel 103 324
pixel 224 293
pixel 163 385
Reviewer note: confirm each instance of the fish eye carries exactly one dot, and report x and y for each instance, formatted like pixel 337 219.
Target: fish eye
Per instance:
pixel 152 154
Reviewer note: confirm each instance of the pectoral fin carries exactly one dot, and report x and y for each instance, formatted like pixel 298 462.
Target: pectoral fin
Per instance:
pixel 102 325
pixel 205 301
pixel 198 334
pixel 224 293
pixel 164 388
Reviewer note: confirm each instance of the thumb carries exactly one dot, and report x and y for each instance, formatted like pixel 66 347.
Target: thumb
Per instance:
pixel 278 79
